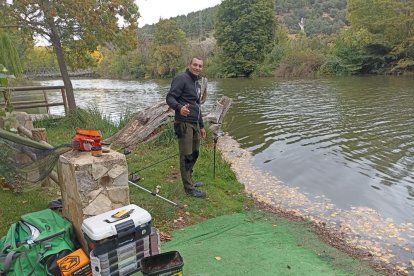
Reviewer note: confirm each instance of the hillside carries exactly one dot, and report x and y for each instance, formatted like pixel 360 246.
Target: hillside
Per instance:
pixel 319 17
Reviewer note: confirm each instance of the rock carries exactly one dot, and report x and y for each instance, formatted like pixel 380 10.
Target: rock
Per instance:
pixel 100 205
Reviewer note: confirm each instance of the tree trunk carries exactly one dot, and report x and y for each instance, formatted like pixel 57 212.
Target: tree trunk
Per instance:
pixel 57 45
pixel 64 72
pixel 142 127
pixel 145 124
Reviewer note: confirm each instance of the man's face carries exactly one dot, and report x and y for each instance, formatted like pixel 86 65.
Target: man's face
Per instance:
pixel 196 66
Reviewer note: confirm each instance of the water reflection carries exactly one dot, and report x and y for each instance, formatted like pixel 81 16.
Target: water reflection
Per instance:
pixel 350 139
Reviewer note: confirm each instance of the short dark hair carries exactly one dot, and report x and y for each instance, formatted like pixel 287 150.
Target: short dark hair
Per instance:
pixel 195 57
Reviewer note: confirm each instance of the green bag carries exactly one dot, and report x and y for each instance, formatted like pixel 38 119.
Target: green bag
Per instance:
pixel 33 244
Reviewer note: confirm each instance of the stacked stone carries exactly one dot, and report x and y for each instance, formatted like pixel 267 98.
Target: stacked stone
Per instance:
pixel 92 185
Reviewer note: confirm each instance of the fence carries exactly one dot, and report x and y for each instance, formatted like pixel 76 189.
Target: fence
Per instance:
pixel 7 94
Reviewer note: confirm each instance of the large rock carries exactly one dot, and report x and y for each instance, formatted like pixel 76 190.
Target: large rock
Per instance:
pixel 15 119
pixel 92 185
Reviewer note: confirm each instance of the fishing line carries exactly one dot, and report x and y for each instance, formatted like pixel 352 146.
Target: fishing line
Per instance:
pixel 160 161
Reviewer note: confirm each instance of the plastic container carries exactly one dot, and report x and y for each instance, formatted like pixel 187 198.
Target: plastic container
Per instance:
pixel 125 260
pixel 75 264
pixel 165 264
pixel 108 231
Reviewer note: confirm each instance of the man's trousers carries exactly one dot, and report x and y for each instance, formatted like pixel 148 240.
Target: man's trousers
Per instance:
pixel 188 135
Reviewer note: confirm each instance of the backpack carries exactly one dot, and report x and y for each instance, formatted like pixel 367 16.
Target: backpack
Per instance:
pixel 33 244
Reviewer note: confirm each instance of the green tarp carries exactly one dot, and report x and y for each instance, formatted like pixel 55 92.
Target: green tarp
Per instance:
pixel 258 244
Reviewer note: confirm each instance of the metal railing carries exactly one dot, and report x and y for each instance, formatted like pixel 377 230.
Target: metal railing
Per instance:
pixel 7 95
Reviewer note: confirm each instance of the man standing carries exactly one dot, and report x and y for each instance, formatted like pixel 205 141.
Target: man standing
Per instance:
pixel 184 97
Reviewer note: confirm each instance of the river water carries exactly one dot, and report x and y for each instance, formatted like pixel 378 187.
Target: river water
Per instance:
pixel 348 139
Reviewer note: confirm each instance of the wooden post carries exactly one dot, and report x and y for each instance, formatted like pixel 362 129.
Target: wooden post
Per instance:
pixel 46 101
pixel 39 134
pixel 65 100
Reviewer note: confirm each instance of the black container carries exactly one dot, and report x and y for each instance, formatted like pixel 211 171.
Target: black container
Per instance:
pixel 165 264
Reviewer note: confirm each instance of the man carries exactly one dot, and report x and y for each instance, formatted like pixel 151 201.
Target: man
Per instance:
pixel 184 97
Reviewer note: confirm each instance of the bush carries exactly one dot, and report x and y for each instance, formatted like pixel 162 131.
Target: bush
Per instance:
pixel 300 64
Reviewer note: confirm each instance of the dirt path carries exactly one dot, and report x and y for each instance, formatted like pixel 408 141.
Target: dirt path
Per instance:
pixel 359 230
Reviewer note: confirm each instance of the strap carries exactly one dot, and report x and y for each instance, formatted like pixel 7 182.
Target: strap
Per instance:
pixel 5 247
pixel 8 260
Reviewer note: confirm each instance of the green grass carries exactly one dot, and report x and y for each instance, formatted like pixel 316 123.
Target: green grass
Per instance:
pixel 157 163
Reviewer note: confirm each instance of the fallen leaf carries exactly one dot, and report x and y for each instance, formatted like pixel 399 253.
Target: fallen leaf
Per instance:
pixel 164 236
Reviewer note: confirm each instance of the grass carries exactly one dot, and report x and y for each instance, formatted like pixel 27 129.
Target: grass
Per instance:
pixel 157 164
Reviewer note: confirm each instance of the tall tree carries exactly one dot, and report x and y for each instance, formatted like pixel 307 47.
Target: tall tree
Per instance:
pixel 168 49
pixel 84 23
pixel 245 32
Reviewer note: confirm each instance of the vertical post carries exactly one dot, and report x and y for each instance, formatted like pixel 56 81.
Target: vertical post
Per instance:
pixel 46 101
pixel 65 101
pixel 214 155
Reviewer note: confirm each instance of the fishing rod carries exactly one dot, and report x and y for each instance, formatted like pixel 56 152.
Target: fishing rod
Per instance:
pixel 156 194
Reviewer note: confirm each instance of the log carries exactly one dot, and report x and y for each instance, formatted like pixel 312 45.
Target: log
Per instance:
pixel 39 134
pixel 219 110
pixel 142 126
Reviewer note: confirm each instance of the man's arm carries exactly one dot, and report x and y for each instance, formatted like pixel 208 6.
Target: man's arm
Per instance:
pixel 174 93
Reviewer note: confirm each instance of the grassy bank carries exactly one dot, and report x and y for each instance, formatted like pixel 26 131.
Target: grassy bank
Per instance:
pixel 156 163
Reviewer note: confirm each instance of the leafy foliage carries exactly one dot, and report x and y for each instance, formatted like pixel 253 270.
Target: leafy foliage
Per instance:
pixel 117 64
pixel 391 26
pixel 245 32
pixel 320 16
pixel 9 57
pixel 40 59
pixel 168 49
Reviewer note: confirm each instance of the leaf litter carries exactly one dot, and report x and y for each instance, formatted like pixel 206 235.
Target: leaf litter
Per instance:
pixel 389 245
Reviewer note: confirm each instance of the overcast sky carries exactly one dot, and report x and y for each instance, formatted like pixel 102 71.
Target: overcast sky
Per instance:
pixel 152 10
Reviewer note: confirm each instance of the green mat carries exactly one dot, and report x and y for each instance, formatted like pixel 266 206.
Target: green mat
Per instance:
pixel 258 244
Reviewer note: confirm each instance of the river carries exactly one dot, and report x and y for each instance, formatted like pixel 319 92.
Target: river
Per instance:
pixel 349 139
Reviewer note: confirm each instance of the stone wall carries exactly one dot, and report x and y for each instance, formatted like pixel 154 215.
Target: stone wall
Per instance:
pixel 92 185
pixel 15 119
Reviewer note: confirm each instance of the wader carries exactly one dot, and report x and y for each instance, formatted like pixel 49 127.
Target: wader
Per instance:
pixel 188 135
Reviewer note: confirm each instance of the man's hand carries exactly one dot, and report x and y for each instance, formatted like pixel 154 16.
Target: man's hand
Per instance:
pixel 185 111
pixel 203 133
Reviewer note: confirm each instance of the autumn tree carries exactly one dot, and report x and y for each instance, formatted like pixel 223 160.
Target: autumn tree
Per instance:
pixel 245 33
pixel 75 24
pixel 168 49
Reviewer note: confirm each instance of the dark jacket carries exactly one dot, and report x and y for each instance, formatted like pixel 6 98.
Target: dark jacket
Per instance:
pixel 185 89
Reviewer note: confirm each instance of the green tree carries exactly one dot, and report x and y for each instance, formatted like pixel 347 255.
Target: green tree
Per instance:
pixel 39 59
pixel 84 23
pixel 391 24
pixel 9 57
pixel 245 33
pixel 168 49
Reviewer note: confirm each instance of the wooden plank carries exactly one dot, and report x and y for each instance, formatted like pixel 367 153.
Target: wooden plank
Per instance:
pixel 29 88
pixel 36 105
